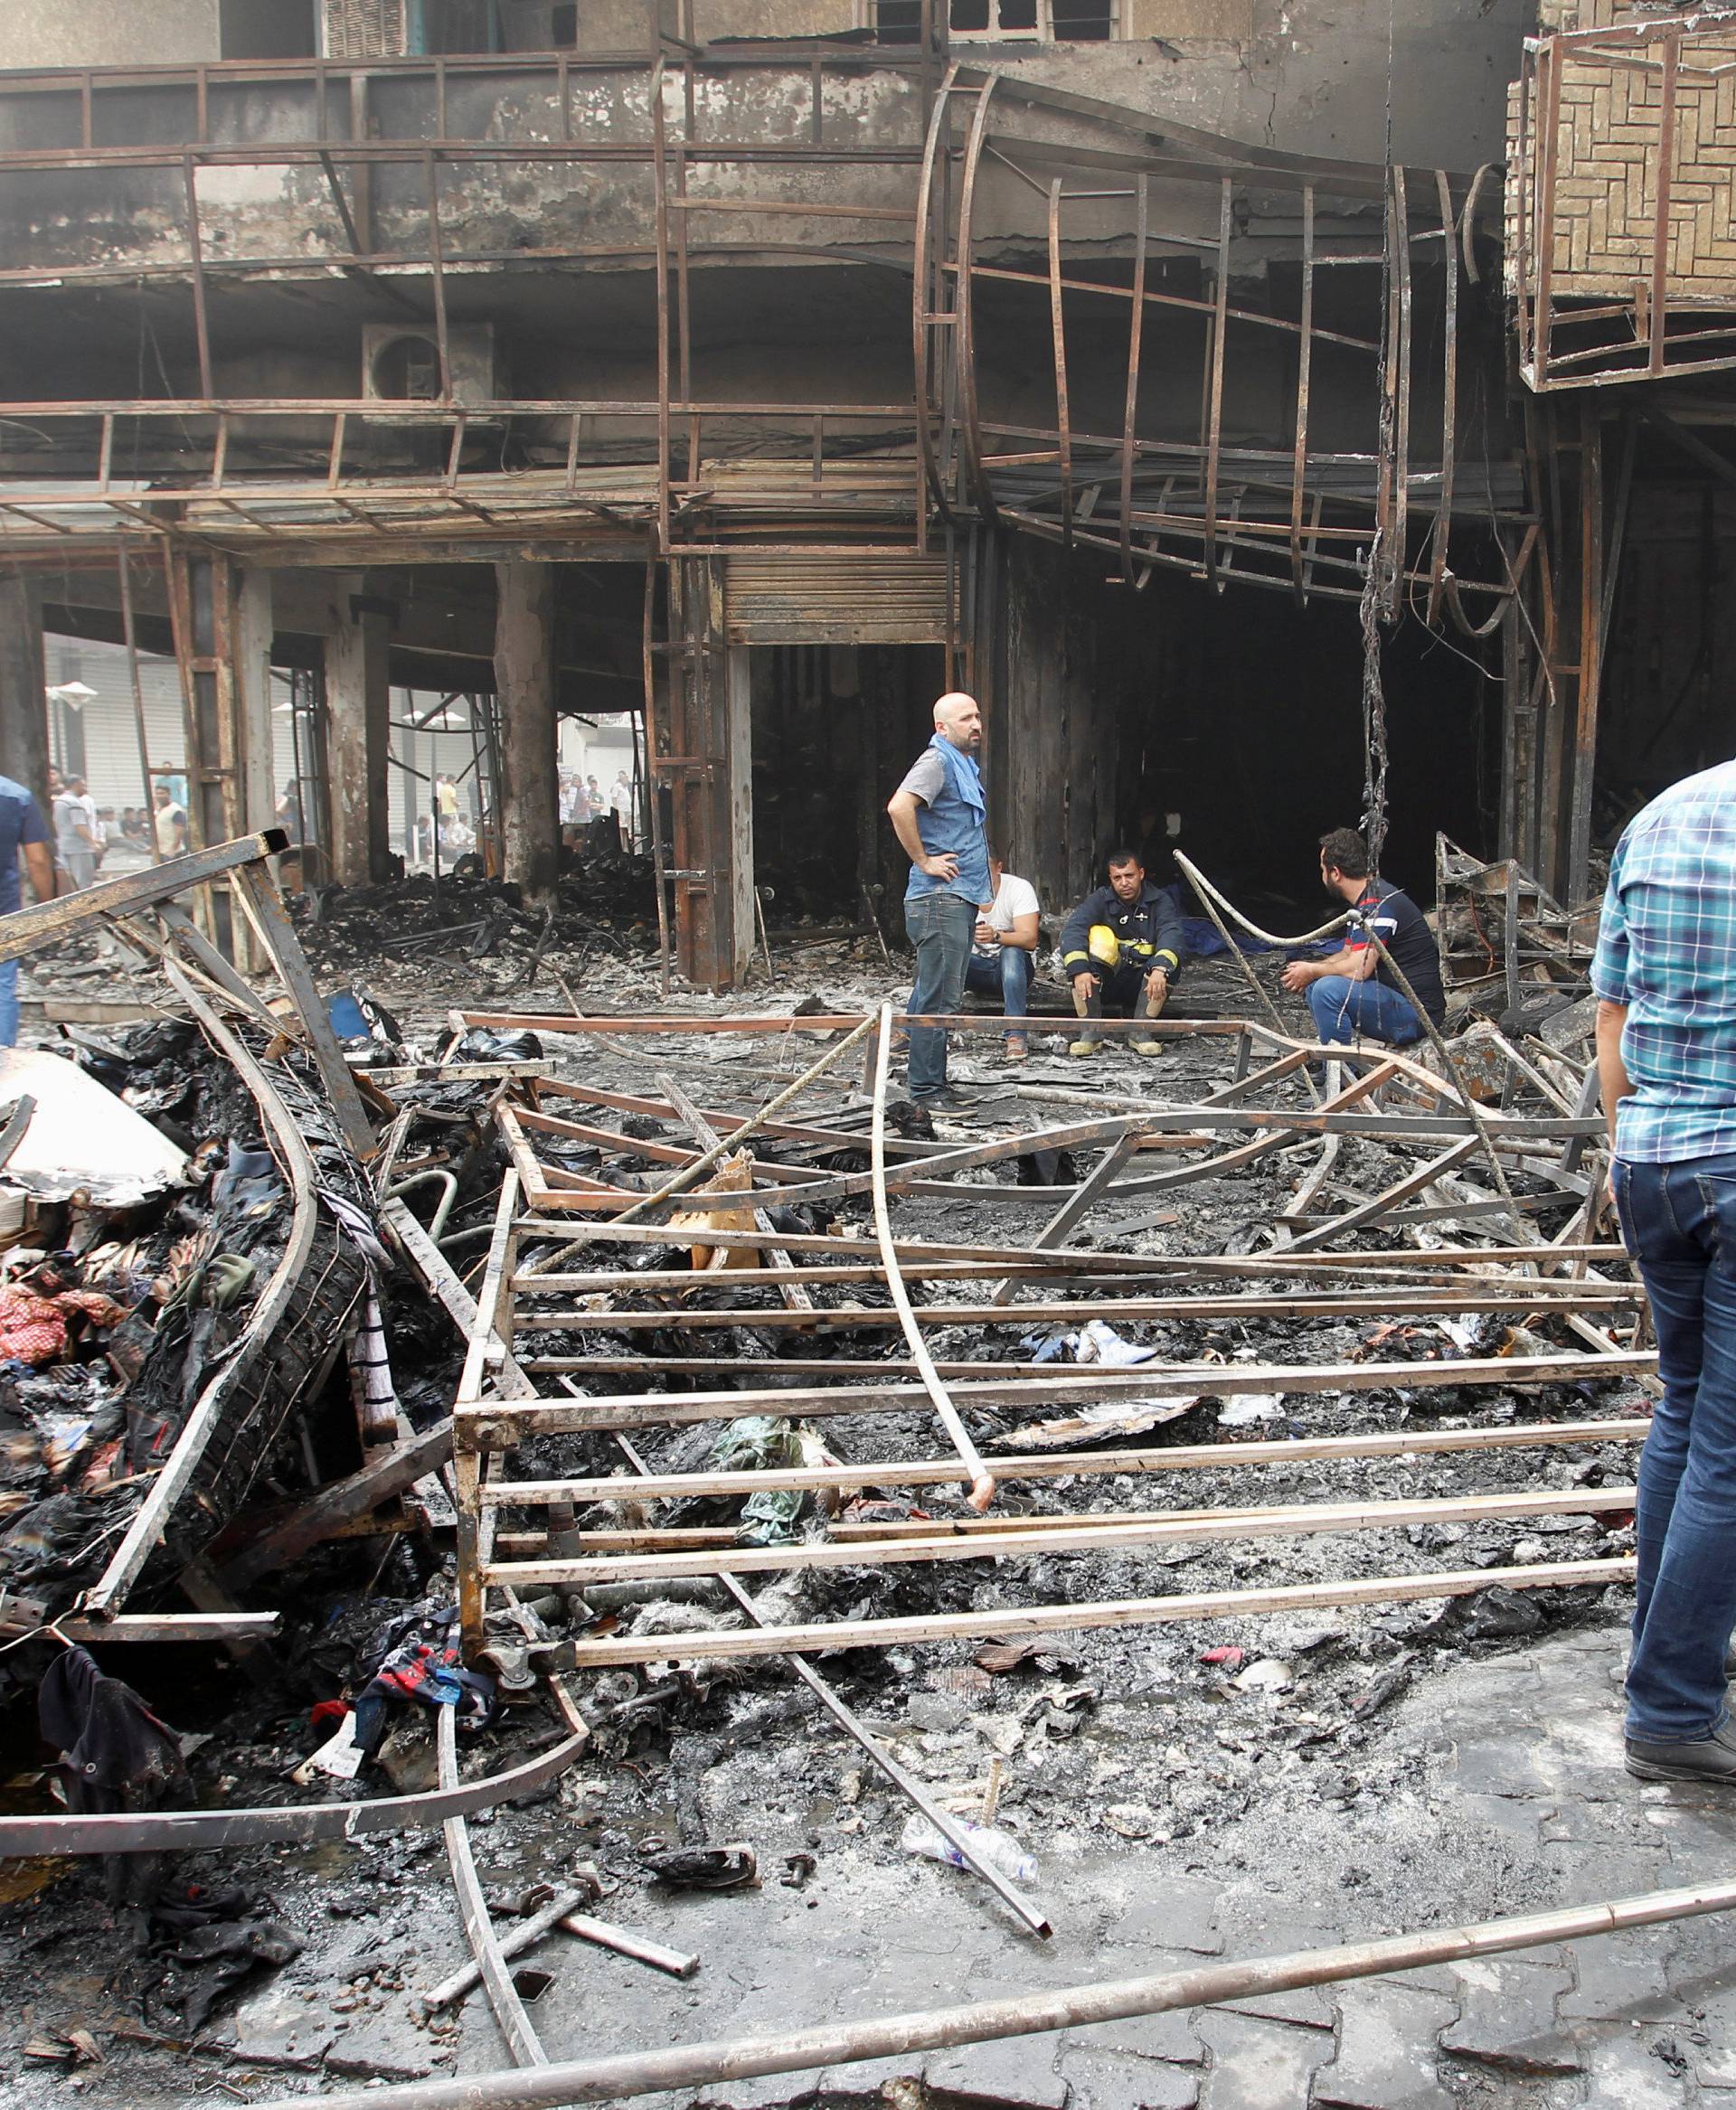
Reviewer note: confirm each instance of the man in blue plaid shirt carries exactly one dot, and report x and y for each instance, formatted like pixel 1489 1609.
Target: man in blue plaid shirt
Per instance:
pixel 1665 980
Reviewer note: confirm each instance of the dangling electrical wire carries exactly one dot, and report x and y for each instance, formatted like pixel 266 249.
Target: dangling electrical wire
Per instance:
pixel 1385 562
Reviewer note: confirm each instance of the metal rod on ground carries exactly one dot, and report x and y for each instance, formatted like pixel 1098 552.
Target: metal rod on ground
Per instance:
pixel 687 1174
pixel 516 2025
pixel 563 1912
pixel 881 1759
pixel 982 1482
pixel 724 2059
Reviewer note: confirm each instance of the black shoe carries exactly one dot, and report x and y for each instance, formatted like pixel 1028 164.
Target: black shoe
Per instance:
pixel 945 1101
pixel 1709 1759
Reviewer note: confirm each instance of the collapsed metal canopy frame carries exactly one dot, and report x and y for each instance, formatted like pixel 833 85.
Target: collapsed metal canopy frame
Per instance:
pixel 520 1338
pixel 1297 517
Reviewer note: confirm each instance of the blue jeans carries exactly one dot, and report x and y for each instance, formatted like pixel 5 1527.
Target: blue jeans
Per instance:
pixel 1005 974
pixel 940 927
pixel 9 1004
pixel 1679 1223
pixel 1343 1009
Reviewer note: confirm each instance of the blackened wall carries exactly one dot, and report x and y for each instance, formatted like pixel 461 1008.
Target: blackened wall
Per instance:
pixel 1110 709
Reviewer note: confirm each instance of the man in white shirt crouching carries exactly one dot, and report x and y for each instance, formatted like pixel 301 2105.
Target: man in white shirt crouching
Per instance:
pixel 1003 952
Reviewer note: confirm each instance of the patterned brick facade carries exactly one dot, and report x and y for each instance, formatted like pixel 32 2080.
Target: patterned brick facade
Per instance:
pixel 1608 150
pixel 1647 112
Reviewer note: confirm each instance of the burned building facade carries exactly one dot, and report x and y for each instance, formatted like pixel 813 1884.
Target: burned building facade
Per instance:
pixel 1164 370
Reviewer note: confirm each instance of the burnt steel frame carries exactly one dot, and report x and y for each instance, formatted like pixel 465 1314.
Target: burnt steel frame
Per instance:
pixel 871 475
pixel 818 463
pixel 1299 520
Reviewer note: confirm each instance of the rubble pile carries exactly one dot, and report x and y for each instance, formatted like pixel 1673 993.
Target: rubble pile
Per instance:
pixel 605 906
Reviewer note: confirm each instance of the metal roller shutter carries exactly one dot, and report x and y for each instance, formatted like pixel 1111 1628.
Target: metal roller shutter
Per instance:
pixel 835 601
pixel 108 722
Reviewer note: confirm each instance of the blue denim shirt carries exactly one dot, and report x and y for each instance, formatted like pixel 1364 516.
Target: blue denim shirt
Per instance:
pixel 1666 948
pixel 955 822
pixel 21 822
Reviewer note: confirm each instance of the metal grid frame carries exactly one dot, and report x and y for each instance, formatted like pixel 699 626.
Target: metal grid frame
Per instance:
pixel 501 1402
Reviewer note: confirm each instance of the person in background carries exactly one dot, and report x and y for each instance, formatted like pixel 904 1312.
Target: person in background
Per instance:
pixel 107 830
pixel 1664 978
pixel 23 832
pixel 1002 957
pixel 1355 993
pixel 75 841
pixel 569 800
pixel 289 812
pixel 1123 947
pixel 168 823
pixel 621 804
pixel 939 815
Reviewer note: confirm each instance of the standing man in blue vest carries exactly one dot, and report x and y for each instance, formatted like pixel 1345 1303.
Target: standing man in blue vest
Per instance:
pixel 940 817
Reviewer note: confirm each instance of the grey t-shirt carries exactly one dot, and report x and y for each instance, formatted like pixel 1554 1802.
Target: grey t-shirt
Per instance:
pixel 926 778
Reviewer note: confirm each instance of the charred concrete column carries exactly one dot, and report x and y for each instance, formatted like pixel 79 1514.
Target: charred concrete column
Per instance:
pixel 252 636
pixel 358 735
pixel 525 690
pixel 23 701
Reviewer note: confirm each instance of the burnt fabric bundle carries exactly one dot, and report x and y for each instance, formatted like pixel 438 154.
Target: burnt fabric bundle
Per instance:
pixel 115 1754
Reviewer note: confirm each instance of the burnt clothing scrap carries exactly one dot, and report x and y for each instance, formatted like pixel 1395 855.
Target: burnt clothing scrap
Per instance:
pixel 34 1328
pixel 423 1662
pixel 1147 931
pixel 112 1747
pixel 115 1754
pixel 1403 929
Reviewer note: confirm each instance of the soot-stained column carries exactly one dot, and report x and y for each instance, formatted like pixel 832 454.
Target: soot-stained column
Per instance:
pixel 23 701
pixel 358 736
pixel 524 689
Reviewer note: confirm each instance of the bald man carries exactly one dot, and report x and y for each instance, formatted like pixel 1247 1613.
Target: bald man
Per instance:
pixel 941 818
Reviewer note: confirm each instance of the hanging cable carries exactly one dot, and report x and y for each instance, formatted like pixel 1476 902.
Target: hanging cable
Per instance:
pixel 1385 562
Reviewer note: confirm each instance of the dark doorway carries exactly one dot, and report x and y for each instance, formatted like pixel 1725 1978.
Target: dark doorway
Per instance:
pixel 834 729
pixel 1241 737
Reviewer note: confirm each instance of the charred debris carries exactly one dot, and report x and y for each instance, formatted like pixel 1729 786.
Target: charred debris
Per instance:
pixel 403 1401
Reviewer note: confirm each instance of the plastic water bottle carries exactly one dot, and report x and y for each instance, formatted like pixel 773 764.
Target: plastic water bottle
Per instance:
pixel 993 1847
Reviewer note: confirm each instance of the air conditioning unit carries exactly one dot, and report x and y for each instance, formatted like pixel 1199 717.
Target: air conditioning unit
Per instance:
pixel 401 364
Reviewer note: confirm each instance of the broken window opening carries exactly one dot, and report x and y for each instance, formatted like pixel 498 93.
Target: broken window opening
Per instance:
pixel 268 29
pixel 899 21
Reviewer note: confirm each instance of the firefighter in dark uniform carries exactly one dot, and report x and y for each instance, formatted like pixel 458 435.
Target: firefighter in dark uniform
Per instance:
pixel 1123 947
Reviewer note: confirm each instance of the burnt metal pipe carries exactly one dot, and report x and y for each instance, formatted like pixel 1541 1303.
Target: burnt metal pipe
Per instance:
pixel 725 2059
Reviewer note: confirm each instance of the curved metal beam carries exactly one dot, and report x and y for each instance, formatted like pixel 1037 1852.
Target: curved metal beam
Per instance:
pixel 982 1482
pixel 963 335
pixel 925 317
pixel 303 1825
